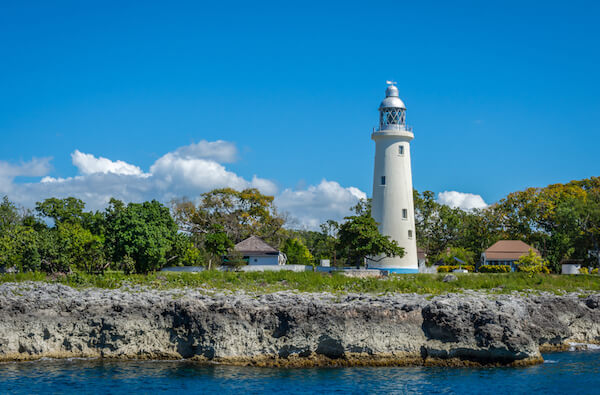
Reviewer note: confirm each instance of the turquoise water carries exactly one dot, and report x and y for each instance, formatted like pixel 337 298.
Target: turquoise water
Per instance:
pixel 563 373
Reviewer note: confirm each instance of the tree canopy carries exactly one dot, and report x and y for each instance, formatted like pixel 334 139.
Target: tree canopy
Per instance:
pixel 145 232
pixel 562 221
pixel 241 214
pixel 359 238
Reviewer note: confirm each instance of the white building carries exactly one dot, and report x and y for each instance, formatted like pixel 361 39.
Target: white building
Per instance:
pixel 393 206
pixel 259 253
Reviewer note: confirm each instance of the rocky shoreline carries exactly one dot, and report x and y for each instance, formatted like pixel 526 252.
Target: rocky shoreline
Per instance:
pixel 290 329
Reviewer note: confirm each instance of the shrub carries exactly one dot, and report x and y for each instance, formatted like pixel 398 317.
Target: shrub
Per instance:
pixel 450 268
pixel 595 271
pixel 127 265
pixel 297 253
pixel 532 263
pixel 546 270
pixel 495 269
pixel 584 270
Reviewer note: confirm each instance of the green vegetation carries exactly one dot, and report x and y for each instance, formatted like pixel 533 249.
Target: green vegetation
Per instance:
pixel 561 220
pixel 532 263
pixel 297 253
pixel 359 238
pixel 266 282
pixel 495 269
pixel 448 257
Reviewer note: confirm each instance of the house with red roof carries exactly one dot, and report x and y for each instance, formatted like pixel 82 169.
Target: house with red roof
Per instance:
pixel 506 252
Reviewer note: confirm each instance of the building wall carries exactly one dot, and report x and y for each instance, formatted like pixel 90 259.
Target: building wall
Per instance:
pixel 276 268
pixel 570 268
pixel 263 260
pixel 396 195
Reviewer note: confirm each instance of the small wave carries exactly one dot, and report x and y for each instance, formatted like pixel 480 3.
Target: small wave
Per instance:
pixel 550 361
pixel 583 346
pixel 81 358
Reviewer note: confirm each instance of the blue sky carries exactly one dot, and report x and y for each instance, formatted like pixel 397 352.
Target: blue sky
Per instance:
pixel 501 96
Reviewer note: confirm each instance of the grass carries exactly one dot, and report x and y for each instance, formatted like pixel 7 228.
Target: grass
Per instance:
pixel 267 282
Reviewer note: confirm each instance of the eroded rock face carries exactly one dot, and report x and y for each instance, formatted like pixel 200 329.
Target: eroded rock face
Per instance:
pixel 52 320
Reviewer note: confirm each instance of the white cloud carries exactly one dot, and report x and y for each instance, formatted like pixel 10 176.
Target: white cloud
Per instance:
pixel 176 176
pixel 316 204
pixel 185 172
pixel 37 167
pixel 219 151
pixel 89 164
pixel 465 201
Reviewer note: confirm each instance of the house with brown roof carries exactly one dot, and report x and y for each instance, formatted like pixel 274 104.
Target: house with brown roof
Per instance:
pixel 256 252
pixel 506 252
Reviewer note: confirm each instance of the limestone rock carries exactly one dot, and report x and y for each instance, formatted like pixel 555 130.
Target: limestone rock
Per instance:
pixel 448 278
pixel 288 329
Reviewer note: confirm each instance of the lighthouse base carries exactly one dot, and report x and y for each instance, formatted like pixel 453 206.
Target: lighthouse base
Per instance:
pixel 406 264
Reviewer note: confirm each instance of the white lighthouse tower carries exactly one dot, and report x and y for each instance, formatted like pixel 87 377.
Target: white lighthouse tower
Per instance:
pixel 393 206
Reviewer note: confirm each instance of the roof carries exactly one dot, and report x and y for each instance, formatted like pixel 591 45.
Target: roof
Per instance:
pixel 392 102
pixel 391 98
pixel 508 250
pixel 254 245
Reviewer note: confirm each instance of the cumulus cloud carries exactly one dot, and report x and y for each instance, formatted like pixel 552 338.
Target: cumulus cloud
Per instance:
pixel 177 175
pixel 465 201
pixel 219 151
pixel 318 203
pixel 36 167
pixel 89 164
pixel 185 172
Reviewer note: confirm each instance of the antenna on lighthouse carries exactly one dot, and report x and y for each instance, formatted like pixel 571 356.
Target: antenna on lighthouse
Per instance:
pixel 391 82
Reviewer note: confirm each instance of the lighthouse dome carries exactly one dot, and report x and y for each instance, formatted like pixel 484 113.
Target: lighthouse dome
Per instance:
pixel 392 102
pixel 392 99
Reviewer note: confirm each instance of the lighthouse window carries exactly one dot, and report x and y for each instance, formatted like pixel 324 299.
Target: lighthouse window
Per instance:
pixel 404 213
pixel 382 180
pixel 410 234
pixel 401 149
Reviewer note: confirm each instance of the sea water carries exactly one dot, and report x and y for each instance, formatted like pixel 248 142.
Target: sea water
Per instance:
pixel 562 373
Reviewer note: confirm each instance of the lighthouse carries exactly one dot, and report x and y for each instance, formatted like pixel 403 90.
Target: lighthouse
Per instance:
pixel 393 206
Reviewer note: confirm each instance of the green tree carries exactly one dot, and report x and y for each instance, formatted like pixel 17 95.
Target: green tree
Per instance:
pixel 53 252
pixel 478 230
pixel 325 248
pixel 80 249
pixel 68 210
pixel 217 243
pixel 9 215
pixel 447 257
pixel 297 253
pixel 71 210
pixel 145 232
pixel 186 253
pixel 18 241
pixel 240 213
pixel 359 238
pixel 437 226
